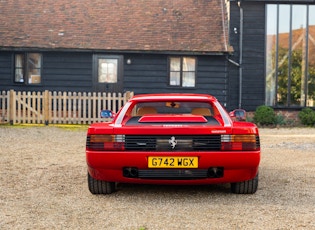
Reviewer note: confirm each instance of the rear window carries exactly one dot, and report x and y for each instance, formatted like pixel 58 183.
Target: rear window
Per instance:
pixel 173 107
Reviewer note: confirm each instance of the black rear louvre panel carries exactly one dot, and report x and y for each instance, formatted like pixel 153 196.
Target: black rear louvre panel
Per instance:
pixel 164 143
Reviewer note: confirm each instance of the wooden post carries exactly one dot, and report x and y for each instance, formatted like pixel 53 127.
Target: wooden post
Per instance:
pixel 12 107
pixel 128 95
pixel 46 107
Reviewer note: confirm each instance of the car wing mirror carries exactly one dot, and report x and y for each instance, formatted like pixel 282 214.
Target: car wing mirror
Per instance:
pixel 238 115
pixel 107 114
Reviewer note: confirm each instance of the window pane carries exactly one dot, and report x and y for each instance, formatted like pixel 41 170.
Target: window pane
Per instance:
pixel 175 64
pixel 107 70
pixel 311 58
pixel 175 78
pixel 19 68
pixel 271 46
pixel 34 68
pixel 189 79
pixel 34 60
pixel 298 58
pixel 188 64
pixel 19 60
pixel 283 54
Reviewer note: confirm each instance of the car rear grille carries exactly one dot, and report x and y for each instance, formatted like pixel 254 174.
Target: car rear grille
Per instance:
pixel 257 142
pixel 173 174
pixel 173 143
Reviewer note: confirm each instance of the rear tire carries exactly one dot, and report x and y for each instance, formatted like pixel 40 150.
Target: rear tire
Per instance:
pixel 100 187
pixel 245 187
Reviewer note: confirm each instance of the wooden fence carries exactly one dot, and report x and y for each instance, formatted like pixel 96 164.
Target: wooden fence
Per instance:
pixel 57 107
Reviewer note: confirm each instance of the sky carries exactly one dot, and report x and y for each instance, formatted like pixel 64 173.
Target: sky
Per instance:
pixel 299 17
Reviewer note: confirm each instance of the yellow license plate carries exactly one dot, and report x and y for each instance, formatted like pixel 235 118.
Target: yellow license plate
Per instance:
pixel 173 162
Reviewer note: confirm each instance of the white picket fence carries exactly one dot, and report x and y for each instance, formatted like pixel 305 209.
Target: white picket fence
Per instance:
pixel 57 107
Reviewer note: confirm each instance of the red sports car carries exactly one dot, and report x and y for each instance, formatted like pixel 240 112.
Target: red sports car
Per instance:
pixel 179 139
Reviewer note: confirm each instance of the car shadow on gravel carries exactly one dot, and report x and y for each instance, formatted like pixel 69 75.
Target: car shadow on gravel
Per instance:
pixel 173 189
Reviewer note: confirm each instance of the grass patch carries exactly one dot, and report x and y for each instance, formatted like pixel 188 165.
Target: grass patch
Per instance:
pixel 61 126
pixel 71 127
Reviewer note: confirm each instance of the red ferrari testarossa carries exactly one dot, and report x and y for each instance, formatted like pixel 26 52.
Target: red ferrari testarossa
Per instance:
pixel 180 139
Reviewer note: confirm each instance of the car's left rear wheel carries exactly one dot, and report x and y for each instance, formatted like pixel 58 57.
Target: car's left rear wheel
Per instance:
pixel 99 186
pixel 245 187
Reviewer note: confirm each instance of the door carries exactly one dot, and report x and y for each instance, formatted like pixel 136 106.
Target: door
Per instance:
pixel 108 73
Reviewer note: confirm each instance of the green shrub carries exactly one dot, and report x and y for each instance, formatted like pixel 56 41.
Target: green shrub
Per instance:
pixel 279 120
pixel 264 115
pixel 307 117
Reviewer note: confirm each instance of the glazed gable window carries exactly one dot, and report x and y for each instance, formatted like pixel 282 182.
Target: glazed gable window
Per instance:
pixel 290 56
pixel 182 71
pixel 28 68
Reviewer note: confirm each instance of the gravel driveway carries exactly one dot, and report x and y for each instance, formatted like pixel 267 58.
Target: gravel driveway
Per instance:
pixel 44 186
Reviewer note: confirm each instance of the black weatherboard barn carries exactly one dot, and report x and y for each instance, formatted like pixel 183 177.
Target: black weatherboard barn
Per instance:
pixel 239 51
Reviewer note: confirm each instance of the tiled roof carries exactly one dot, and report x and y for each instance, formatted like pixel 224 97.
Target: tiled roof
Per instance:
pixel 128 25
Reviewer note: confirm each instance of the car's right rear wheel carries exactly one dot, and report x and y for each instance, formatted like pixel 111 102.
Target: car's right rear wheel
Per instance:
pixel 99 186
pixel 245 187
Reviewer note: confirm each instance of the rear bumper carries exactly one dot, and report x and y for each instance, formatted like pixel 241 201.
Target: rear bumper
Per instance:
pixel 111 166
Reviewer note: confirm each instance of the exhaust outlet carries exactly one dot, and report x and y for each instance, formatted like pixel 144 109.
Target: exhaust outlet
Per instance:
pixel 126 172
pixel 219 172
pixel 215 172
pixel 130 172
pixel 133 172
pixel 211 173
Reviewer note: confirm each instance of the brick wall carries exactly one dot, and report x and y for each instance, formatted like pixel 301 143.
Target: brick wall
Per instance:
pixel 290 116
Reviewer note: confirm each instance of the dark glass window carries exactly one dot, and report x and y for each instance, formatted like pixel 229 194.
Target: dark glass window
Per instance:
pixel 28 68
